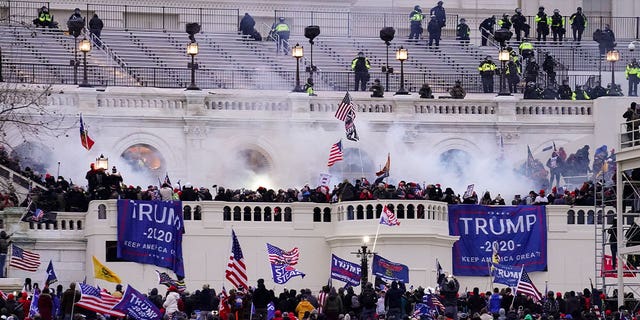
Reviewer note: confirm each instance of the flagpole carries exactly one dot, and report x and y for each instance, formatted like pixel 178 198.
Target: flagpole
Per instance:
pixel 375 240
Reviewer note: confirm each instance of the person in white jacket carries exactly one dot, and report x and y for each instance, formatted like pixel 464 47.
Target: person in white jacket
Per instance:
pixel 171 301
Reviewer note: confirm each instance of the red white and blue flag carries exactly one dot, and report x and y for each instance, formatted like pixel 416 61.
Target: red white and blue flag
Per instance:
pixel 335 154
pixel 236 269
pixel 279 256
pixel 85 140
pixel 388 217
pixel 23 259
pixel 98 300
pixel 526 286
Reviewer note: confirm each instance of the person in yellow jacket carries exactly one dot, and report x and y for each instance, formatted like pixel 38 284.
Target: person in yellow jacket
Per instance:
pixel 304 306
pixel 542 24
pixel 580 94
pixel 281 31
pixel 415 18
pixel 557 25
pixel 526 49
pixel 633 75
pixel 487 69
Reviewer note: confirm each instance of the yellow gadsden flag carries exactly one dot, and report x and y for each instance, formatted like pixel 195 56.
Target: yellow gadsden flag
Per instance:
pixel 102 272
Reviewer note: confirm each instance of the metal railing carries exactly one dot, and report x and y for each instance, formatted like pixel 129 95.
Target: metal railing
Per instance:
pixel 216 78
pixel 629 134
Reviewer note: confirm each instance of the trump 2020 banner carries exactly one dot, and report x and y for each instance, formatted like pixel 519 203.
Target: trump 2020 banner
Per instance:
pixel 389 270
pixel 518 233
pixel 345 271
pixel 150 232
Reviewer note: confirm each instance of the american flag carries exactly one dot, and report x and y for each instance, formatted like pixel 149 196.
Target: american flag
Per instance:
pixel 434 301
pixel 23 259
pixel 3 295
pixel 279 256
pixel 98 300
pixel 236 269
pixel 389 218
pixel 335 154
pixel 526 286
pixel 345 107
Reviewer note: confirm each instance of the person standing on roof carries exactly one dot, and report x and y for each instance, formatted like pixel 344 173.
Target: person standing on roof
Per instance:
pixel 520 24
pixel 557 25
pixel 578 22
pixel 415 18
pixel 542 24
pixel 281 30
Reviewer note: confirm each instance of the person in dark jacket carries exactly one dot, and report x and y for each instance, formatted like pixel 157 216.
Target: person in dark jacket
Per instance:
pixel 96 25
pixel 564 91
pixel 449 287
pixel 475 301
pixel 549 66
pixel 520 24
pixel 333 305
pixel 487 29
pixel 425 91
pixel 578 22
pixel 435 31
pixel 377 89
pixel 440 14
pixel 188 193
pixel 360 66
pixel 247 25
pixel 261 299
pixel 605 38
pixel 542 24
pixel 69 298
pixel 393 301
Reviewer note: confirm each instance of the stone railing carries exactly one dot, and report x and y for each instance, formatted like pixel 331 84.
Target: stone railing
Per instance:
pixel 216 214
pixel 285 105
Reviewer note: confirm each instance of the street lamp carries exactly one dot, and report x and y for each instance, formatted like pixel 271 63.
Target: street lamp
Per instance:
pixel 613 56
pixel 85 47
pixel 102 162
pixel 387 34
pixel 363 253
pixel 297 53
pixel 311 32
pixel 192 50
pixel 401 55
pixel 503 56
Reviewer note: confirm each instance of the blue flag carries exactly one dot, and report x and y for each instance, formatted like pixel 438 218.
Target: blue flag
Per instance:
pixel 33 309
pixel 137 306
pixel 345 271
pixel 283 272
pixel 271 311
pixel 51 275
pixel 507 275
pixel 162 226
pixel 389 270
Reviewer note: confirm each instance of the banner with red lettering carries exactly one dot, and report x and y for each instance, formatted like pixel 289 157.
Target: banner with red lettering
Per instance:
pixel 389 270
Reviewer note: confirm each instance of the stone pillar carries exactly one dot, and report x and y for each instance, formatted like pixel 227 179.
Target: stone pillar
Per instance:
pixel 195 102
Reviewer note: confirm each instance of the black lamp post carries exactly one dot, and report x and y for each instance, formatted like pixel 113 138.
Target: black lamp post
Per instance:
pixel 192 50
pixel 311 32
pixel 75 61
pixel 85 47
pixel 387 34
pixel 401 55
pixel 613 56
pixel 363 253
pixel 503 56
pixel 297 53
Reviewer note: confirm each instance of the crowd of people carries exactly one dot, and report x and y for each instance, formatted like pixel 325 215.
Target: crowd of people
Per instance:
pixel 383 301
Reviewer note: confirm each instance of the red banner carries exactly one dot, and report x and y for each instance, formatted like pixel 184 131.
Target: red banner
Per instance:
pixel 610 272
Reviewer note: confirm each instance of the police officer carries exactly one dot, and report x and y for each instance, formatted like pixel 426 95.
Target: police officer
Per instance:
pixel 542 24
pixel 463 31
pixel 633 73
pixel 440 14
pixel 360 65
pixel 526 49
pixel 487 69
pixel 578 22
pixel 308 87
pixel 531 70
pixel 549 66
pixel 520 24
pixel 44 18
pixel 580 94
pixel 513 76
pixel 557 25
pixel 415 18
pixel 564 91
pixel 282 32
pixel 504 23
pixel 486 27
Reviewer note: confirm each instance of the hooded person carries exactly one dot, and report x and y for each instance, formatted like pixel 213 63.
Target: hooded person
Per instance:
pixel 171 301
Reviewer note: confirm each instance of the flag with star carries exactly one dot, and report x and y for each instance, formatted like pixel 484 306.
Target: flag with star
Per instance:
pixel 51 275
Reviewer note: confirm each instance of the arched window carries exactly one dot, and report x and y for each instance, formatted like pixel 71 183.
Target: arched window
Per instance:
pixel 317 215
pixel 277 214
pixel 247 214
pixel 326 215
pixel 144 158
pixel 287 214
pixel 267 214
pixel 226 213
pixel 197 213
pixel 79 224
pixel 102 212
pixel 186 213
pixel 257 214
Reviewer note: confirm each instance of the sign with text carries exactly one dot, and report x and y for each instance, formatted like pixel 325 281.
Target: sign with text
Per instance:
pixel 389 270
pixel 518 234
pixel 345 271
pixel 150 232
pixel 137 306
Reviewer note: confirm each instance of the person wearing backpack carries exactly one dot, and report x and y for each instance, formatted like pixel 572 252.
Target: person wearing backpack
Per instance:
pixel 333 305
pixel 368 300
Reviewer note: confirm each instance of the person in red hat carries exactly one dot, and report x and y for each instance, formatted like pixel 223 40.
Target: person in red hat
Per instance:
pixel 541 199
pixel 171 301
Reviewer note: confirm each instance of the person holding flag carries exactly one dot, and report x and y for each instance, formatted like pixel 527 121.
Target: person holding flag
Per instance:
pixel 45 304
